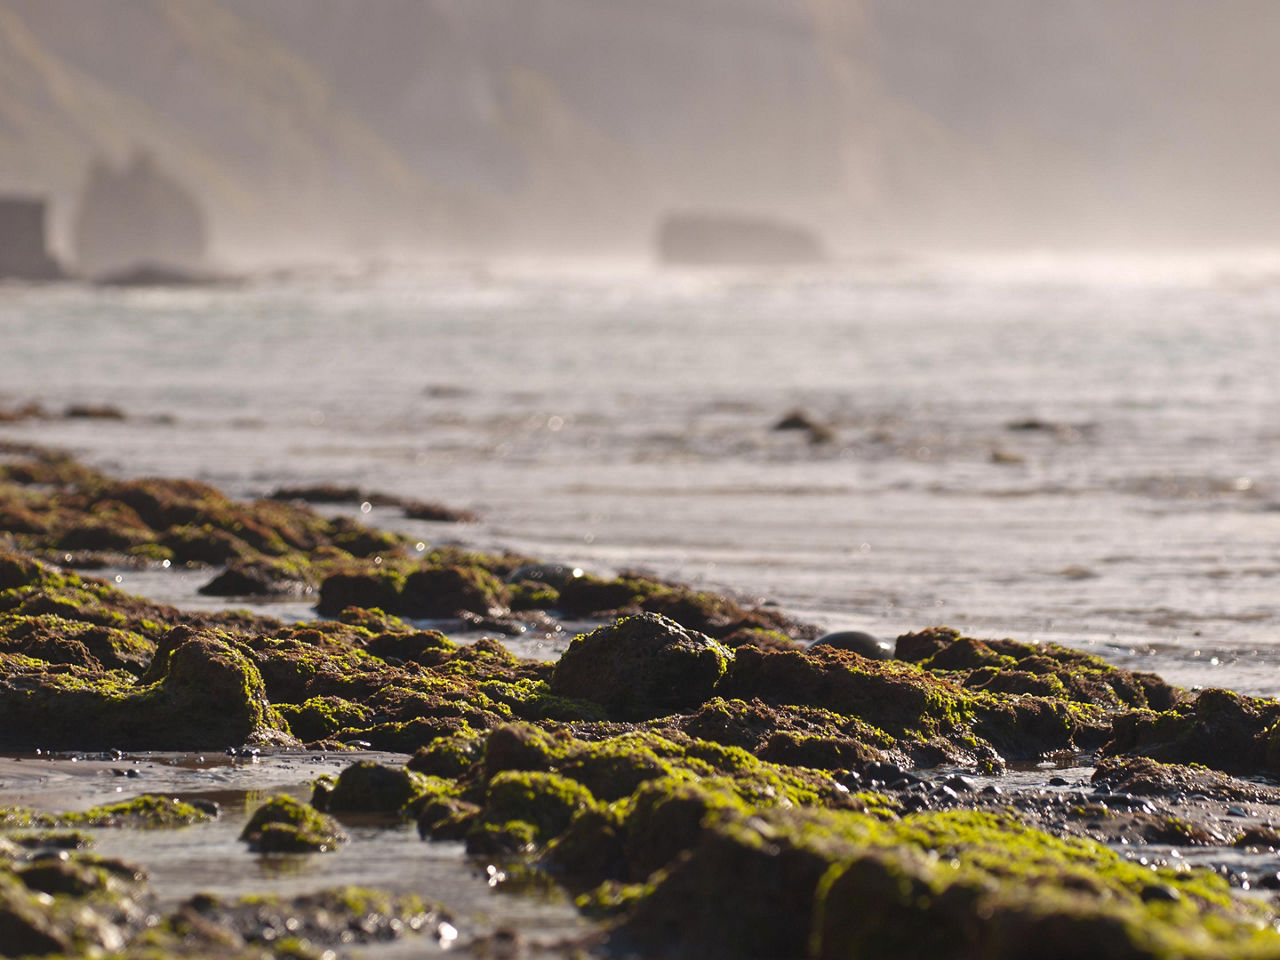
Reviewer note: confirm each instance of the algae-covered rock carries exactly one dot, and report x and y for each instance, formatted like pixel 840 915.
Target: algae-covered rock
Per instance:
pixel 370 787
pixel 429 647
pixel 446 591
pixel 1043 669
pixel 284 825
pixel 379 590
pixel 836 884
pixel 641 666
pixel 1218 728
pixel 1146 777
pixel 209 696
pixel 545 801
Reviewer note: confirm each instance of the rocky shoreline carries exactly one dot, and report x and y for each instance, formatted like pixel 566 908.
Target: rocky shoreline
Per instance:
pixel 700 777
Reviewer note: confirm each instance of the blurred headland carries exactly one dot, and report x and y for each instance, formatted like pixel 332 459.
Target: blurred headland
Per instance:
pixel 572 128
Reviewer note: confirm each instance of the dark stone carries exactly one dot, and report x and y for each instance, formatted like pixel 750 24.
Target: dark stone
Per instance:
pixel 864 644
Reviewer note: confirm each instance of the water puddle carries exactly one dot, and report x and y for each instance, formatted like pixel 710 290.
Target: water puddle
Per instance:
pixel 209 857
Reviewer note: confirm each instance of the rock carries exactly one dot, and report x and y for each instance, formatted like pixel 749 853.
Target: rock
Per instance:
pixel 24 253
pixel 213 695
pixel 449 590
pixel 369 787
pixel 712 239
pixel 249 578
pixel 137 215
pixel 553 574
pixel 864 644
pixel 284 825
pixel 437 512
pixel 641 666
pixel 427 647
pixel 368 590
pixel 1220 729
pixel 800 420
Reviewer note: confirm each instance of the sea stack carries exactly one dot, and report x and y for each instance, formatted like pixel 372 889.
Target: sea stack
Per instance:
pixel 138 217
pixel 24 254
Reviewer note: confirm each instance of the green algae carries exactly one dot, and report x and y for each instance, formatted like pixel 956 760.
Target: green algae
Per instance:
pixel 144 812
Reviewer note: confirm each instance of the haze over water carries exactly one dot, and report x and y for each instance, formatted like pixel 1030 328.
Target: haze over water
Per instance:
pixel 1077 450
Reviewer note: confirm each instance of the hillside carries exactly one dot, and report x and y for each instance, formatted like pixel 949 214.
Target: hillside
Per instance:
pixel 575 125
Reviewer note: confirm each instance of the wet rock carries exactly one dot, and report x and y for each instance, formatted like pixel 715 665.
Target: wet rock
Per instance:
pixel 427 647
pixel 369 787
pixel 545 801
pixel 281 926
pixel 207 696
pixel 864 644
pixel 255 579
pixel 1219 729
pixel 1146 777
pixel 438 512
pixel 589 596
pixel 556 575
pixel 822 753
pixel 449 590
pixel 801 420
pixel 213 694
pixel 319 493
pixel 641 666
pixel 368 590
pixel 284 825
pixel 891 696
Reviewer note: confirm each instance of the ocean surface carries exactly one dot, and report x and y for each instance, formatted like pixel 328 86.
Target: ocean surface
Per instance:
pixel 1078 450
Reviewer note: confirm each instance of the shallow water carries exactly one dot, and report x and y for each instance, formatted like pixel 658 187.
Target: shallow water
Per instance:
pixel 623 420
pixel 209 857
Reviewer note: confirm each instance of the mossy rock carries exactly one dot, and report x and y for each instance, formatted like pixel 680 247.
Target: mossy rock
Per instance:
pixel 428 648
pixel 899 698
pixel 319 718
pixel 1218 728
pixel 341 590
pixel 208 695
pixel 447 591
pixel 640 667
pixel 546 801
pixel 449 756
pixel 835 884
pixel 593 596
pixel 285 825
pixel 370 787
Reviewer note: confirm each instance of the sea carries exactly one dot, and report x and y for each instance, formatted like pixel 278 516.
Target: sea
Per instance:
pixel 1077 449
